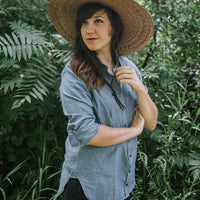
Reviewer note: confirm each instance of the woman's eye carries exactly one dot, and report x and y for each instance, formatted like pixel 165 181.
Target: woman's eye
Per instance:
pixel 98 21
pixel 84 22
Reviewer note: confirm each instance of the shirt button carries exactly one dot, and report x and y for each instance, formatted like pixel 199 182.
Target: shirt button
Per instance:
pixel 127 184
pixel 129 171
pixel 130 155
pixel 124 125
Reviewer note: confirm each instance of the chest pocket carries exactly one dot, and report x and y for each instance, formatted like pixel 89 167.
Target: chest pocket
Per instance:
pixel 105 108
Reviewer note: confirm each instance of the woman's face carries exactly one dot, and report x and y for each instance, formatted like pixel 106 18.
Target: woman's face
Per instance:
pixel 97 33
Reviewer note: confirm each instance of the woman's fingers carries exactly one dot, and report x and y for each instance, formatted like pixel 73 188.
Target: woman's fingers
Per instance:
pixel 124 72
pixel 128 75
pixel 135 109
pixel 137 118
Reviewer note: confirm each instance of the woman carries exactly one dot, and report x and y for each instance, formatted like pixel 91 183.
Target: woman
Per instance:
pixel 102 95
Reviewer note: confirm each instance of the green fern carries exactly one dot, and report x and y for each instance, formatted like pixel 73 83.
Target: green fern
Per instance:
pixel 18 47
pixel 23 42
pixel 24 83
pixel 11 80
pixel 194 164
pixel 35 81
pixel 61 55
pixel 33 78
pixel 34 35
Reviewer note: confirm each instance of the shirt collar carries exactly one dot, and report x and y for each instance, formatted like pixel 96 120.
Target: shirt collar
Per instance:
pixel 115 67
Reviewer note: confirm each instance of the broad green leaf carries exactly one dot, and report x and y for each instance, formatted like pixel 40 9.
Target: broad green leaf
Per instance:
pixel 24 52
pixel 4 41
pixel 12 84
pixel 40 90
pixel 9 39
pixel 10 51
pixel 17 103
pixel 42 85
pixel 41 49
pixel 28 99
pixel 14 49
pixel 29 40
pixel 19 52
pixel 16 39
pixel 36 50
pixel 45 80
pixel 38 94
pixel 47 73
pixel 22 39
pixel 33 95
pixel 29 51
pixel 6 86
pixel 5 51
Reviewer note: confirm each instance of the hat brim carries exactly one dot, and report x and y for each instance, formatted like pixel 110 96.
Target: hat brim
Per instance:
pixel 137 23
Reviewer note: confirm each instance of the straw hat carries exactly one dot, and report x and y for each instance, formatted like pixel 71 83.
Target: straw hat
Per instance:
pixel 137 23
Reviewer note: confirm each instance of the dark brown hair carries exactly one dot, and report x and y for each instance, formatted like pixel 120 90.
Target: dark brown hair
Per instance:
pixel 85 63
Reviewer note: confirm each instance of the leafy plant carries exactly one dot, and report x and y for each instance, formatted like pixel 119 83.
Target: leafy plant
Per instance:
pixel 32 125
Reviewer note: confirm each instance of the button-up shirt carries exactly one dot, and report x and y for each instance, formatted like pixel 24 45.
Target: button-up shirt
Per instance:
pixel 105 173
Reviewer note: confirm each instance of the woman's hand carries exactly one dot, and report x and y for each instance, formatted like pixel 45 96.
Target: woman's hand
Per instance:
pixel 128 75
pixel 137 121
pixel 148 109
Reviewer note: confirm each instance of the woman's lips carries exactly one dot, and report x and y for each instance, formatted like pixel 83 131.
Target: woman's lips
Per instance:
pixel 91 39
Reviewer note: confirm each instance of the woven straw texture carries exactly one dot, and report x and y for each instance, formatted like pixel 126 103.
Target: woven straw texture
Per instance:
pixel 137 23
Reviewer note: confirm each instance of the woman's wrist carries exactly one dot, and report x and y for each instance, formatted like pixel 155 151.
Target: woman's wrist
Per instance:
pixel 136 130
pixel 141 90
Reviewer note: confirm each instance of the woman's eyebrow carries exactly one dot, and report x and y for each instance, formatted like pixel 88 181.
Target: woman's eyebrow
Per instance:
pixel 97 16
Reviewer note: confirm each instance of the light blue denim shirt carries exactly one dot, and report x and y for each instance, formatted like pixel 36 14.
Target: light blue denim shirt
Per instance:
pixel 105 173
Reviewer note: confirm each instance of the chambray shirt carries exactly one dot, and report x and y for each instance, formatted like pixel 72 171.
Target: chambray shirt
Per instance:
pixel 105 173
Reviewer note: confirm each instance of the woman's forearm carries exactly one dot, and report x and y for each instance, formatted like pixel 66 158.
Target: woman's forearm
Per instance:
pixel 147 109
pixel 108 136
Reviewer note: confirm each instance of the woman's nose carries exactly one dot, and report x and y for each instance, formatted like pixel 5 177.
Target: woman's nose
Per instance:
pixel 90 28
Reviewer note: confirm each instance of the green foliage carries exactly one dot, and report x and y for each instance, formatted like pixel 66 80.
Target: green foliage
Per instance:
pixel 32 125
pixel 169 156
pixel 23 45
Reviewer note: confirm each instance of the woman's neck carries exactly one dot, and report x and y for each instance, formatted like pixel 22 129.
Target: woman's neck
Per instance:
pixel 107 60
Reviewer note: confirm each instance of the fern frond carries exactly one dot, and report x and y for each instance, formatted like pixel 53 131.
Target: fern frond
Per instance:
pixel 62 56
pixel 20 46
pixel 64 52
pixel 30 32
pixel 36 81
pixel 11 80
pixel 8 64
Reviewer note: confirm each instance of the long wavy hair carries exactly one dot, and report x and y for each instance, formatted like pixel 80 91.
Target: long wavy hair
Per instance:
pixel 84 63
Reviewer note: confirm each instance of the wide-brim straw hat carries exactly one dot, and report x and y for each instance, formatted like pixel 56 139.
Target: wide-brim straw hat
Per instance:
pixel 137 23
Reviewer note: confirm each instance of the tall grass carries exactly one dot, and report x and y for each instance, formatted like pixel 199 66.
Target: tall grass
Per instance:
pixel 35 178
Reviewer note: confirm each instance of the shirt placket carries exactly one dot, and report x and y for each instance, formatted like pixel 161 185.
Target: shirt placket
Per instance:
pixel 130 156
pixel 129 172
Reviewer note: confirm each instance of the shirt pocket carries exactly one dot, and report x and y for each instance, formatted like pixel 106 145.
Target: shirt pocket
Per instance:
pixel 106 109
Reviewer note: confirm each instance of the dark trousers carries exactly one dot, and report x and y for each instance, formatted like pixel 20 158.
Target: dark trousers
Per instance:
pixel 74 191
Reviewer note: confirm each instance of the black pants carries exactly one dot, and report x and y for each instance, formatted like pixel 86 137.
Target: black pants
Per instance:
pixel 74 191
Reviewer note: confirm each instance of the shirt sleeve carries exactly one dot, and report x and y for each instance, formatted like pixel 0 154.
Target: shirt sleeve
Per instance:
pixel 78 107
